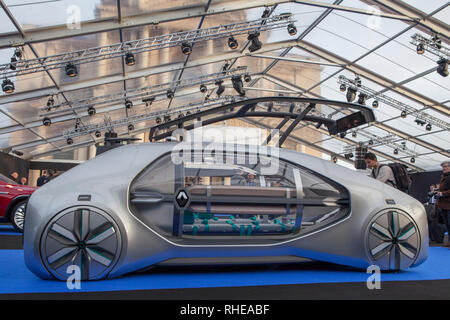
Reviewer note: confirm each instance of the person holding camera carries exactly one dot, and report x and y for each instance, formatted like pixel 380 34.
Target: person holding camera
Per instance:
pixel 441 193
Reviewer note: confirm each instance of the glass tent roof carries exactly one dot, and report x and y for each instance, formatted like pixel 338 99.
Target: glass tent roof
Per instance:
pixel 370 39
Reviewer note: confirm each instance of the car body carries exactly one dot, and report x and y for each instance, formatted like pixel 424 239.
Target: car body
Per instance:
pixel 143 205
pixel 13 200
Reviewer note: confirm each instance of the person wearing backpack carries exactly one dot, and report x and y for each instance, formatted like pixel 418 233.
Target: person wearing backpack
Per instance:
pixel 394 174
pixel 382 173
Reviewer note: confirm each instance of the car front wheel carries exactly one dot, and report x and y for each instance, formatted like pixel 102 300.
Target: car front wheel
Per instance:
pixel 18 216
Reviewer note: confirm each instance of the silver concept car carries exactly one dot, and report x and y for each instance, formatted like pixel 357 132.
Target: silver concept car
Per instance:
pixel 143 205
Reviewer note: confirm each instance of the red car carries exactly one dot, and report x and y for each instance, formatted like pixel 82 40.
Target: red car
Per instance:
pixel 13 201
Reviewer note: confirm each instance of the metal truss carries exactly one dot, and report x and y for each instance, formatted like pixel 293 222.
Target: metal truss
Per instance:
pixel 373 94
pixel 431 46
pixel 382 126
pixel 109 125
pixel 143 93
pixel 376 141
pixel 23 67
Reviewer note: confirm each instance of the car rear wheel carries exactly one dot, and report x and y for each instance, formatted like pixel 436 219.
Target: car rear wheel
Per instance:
pixel 18 215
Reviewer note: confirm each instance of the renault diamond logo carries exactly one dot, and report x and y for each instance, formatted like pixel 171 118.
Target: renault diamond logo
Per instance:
pixel 182 198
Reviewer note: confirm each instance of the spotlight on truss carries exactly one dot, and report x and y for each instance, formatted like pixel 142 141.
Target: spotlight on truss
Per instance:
pixel 220 87
pixel 256 44
pixel 292 30
pixel 238 85
pixel 129 59
pixel 186 48
pixel 8 86
pixel 443 67
pixel 351 94
pixel 46 122
pixel 232 43
pixel 71 70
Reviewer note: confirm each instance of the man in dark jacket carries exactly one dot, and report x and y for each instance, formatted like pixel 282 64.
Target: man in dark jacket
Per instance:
pixel 442 194
pixel 15 177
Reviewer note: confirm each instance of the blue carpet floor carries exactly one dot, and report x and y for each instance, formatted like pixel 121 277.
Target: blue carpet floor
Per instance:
pixel 6 230
pixel 16 278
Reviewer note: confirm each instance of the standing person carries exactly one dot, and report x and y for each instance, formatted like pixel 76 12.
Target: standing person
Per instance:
pixel 251 181
pixel 382 173
pixel 15 177
pixel 23 181
pixel 442 194
pixel 42 179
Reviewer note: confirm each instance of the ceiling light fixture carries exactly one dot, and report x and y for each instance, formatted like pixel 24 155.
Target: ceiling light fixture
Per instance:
pixel 256 44
pixel 71 70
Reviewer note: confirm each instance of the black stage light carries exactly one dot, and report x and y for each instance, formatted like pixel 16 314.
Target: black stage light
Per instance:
pixel 181 115
pixel 167 118
pixel 98 134
pixel 362 99
pixel 221 87
pixel 158 120
pixel 348 155
pixel 128 104
pixel 256 44
pixel 188 113
pixel 13 64
pixel 203 88
pixel 291 107
pixel 343 134
pixel 443 67
pixel 129 59
pixel 420 48
pixel 247 78
pixel 375 104
pixel 69 140
pixel 18 53
pixel 50 102
pixel 169 94
pixel 334 158
pixel 428 127
pixel 46 122
pixel 358 81
pixel 437 42
pixel 91 111
pixel 420 122
pixel 351 94
pixel 354 134
pixel 186 48
pixel 71 70
pixel 8 86
pixel 403 114
pixel 343 87
pixel 395 151
pixel 413 160
pixel 232 43
pixel 270 106
pixel 238 85
pixel 370 142
pixel 130 127
pixel 292 30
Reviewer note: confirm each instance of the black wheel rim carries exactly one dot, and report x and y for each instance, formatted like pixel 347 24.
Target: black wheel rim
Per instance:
pixel 85 238
pixel 393 240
